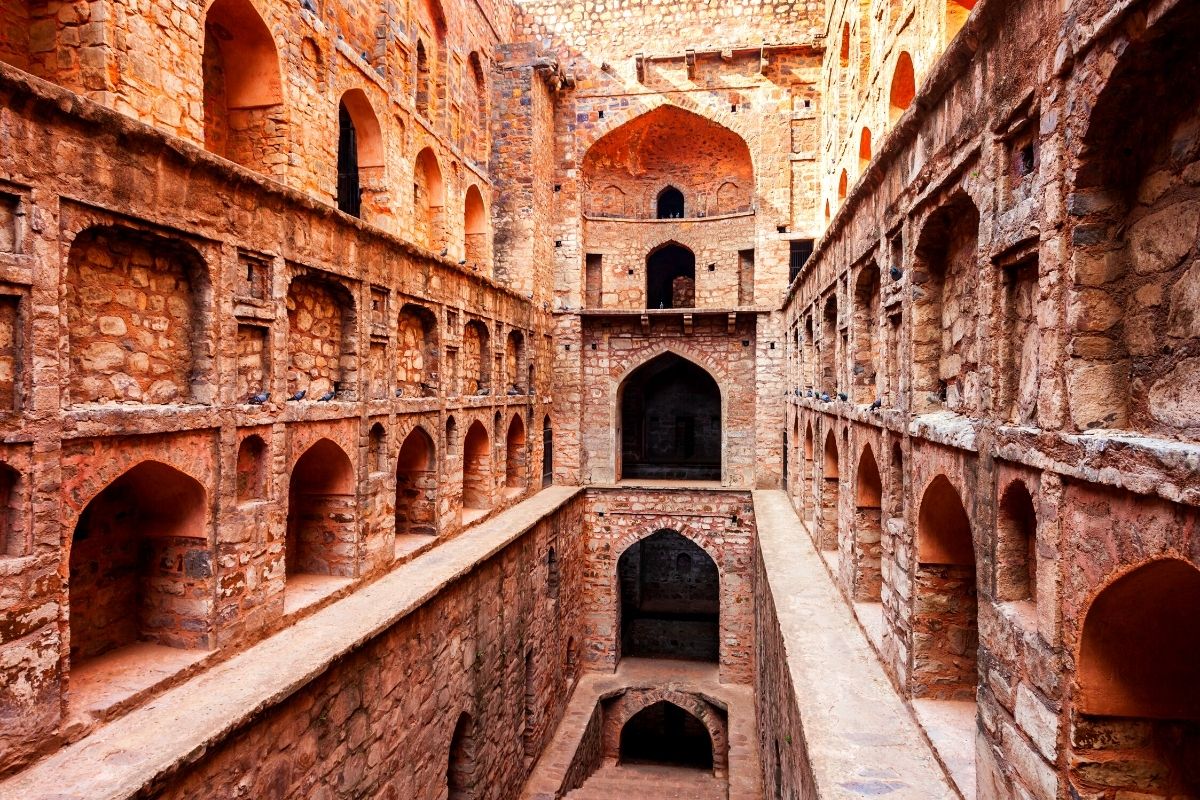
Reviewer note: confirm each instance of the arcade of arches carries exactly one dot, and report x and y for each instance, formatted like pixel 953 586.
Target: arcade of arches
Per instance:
pixel 521 400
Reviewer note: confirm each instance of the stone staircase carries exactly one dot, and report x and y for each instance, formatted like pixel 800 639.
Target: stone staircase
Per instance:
pixel 650 782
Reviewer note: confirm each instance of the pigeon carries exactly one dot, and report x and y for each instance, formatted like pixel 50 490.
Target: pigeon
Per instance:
pixel 797 391
pixel 428 387
pixel 809 393
pixel 400 392
pixel 483 392
pixel 259 399
pixel 843 396
pixel 878 404
pixel 461 263
pixel 513 390
pixel 298 396
pixel 445 251
pixel 825 398
pixel 896 273
pixel 308 5
pixel 325 398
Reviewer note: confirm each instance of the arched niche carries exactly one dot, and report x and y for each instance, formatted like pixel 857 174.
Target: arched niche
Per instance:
pixel 657 149
pixel 515 457
pixel 665 733
pixel 475 229
pixel 416 485
pixel 322 516
pixel 477 472
pixel 903 87
pixel 429 200
pixel 671 277
pixel 868 529
pixel 670 411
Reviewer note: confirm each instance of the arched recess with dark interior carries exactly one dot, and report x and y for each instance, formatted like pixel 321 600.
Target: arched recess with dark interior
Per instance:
pixel 945 344
pixel 120 355
pixel 868 529
pixel 476 358
pixel 896 481
pixel 547 452
pixel 14 527
pixel 1139 678
pixel 475 230
pixel 866 334
pixel 477 472
pixel 417 361
pixel 429 81
pixel 360 150
pixel 903 88
pixel 945 607
pixel 1131 188
pixel 377 454
pixel 514 363
pixel 827 530
pixel 141 565
pixel 429 201
pixel 670 591
pixel 416 486
pixel 462 772
pixel 829 379
pixel 1016 544
pixel 322 520
pixel 422 79
pixel 322 339
pixel 670 421
pixel 669 204
pixel 516 467
pixel 657 149
pixel 664 733
pixel 671 277
pixel 252 469
pixel 808 488
pixel 244 115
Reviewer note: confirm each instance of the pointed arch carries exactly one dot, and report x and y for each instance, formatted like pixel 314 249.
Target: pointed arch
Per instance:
pixel 322 512
pixel 515 456
pixel 429 200
pixel 477 472
pixel 903 87
pixel 868 529
pixel 416 485
pixel 475 228
pixel 671 276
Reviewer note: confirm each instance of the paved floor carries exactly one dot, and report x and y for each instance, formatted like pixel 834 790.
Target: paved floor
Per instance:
pixel 629 781
pixel 745 769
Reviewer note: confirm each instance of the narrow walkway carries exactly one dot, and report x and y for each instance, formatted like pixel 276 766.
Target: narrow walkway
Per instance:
pixel 745 769
pixel 860 737
pixel 121 758
pixel 647 782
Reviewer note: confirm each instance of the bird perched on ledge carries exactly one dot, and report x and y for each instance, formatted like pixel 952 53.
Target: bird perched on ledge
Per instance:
pixel 325 398
pixel 825 398
pixel 298 396
pixel 843 396
pixel 896 273
pixel 400 392
pixel 259 399
pixel 876 405
pixel 483 392
pixel 513 390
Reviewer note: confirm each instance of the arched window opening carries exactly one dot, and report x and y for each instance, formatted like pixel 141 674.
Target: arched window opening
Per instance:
pixel 844 50
pixel 670 203
pixel 106 332
pixel 429 200
pixel 480 122
pixel 377 456
pixel 843 187
pixel 957 12
pixel 360 150
pixel 669 608
pixel 462 773
pixel 322 516
pixel 417 364
pixel 944 334
pixel 514 363
pixel 547 452
pixel 864 150
pixel 866 334
pixel 476 359
pixel 140 565
pixel 552 574
pixel 1016 557
pixel 477 473
pixel 868 530
pixel 664 733
pixel 243 94
pixel 416 487
pixel 475 228
pixel 515 466
pixel 671 277
pixel 904 87
pixel 945 626
pixel 670 421
pixel 422 80
pixel 252 469
pixel 827 530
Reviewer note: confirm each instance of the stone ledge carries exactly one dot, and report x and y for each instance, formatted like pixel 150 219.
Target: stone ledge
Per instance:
pixel 135 753
pixel 859 736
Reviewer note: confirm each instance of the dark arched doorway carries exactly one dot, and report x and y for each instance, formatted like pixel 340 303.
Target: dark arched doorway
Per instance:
pixel 670 203
pixel 664 733
pixel 670 599
pixel 670 422
pixel 671 277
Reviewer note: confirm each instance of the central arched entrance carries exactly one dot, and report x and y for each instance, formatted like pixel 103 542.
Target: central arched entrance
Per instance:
pixel 670 421
pixel 664 733
pixel 670 599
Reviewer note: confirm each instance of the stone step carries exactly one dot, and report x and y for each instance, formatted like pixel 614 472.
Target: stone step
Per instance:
pixel 650 781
